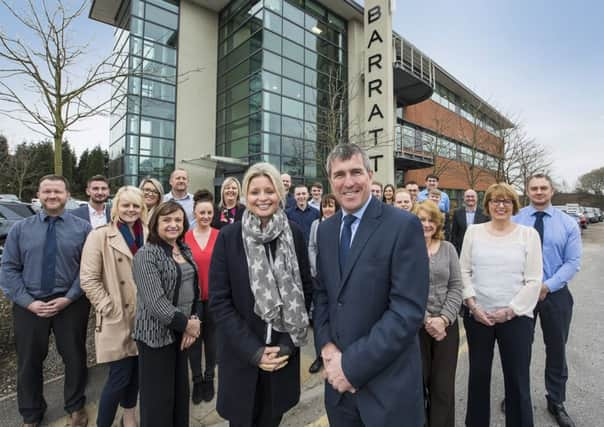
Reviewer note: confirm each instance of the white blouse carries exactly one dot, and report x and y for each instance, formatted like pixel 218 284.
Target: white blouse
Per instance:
pixel 502 271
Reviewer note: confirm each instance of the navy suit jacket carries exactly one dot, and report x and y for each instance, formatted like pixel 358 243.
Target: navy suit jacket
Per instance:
pixel 82 212
pixel 458 229
pixel 373 311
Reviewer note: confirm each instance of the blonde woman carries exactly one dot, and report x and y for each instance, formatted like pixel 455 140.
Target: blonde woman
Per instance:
pixel 229 209
pixel 439 338
pixel 152 191
pixel 106 278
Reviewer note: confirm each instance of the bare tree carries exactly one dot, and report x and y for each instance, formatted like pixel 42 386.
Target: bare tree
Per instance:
pixel 593 181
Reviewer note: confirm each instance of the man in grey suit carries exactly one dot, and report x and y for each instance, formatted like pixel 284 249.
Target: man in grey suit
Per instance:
pixel 97 211
pixel 370 302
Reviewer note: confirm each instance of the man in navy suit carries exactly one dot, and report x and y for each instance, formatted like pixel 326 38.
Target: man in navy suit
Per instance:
pixel 370 299
pixel 464 217
pixel 97 212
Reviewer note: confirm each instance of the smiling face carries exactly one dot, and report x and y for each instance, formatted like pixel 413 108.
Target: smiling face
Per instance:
pixel 97 191
pixel 151 195
pixel 204 212
pixel 53 195
pixel 262 198
pixel 287 181
pixel 179 181
pixel 388 193
pixel 316 193
pixel 470 199
pixel 351 182
pixel 428 225
pixel 170 226
pixel 403 201
pixel 376 191
pixel 230 194
pixel 128 211
pixel 540 192
pixel 328 208
pixel 413 189
pixel 301 196
pixel 434 197
pixel 501 208
pixel 431 183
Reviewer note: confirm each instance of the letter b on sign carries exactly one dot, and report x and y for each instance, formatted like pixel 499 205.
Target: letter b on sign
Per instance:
pixel 374 14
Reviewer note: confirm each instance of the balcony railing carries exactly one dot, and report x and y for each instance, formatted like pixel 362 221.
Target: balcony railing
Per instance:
pixel 413 60
pixel 410 149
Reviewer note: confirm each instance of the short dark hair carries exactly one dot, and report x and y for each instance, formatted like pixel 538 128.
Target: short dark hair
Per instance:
pixel 541 175
pixel 201 196
pixel 301 185
pixel 97 178
pixel 166 208
pixel 325 200
pixel 317 185
pixel 410 183
pixel 432 176
pixel 345 151
pixel 52 177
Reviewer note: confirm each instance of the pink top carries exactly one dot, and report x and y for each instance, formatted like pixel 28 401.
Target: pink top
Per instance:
pixel 202 257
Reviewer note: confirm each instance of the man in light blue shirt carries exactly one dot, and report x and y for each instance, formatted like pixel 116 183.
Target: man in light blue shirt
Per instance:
pixel 432 184
pixel 179 183
pixel 561 242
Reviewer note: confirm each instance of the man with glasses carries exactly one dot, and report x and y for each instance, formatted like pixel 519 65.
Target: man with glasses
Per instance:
pixel 561 244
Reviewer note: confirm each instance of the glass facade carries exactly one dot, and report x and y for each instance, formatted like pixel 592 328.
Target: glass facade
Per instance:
pixel 143 111
pixel 281 65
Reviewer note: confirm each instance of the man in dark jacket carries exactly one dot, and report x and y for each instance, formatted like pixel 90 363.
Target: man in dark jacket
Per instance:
pixel 97 211
pixel 467 215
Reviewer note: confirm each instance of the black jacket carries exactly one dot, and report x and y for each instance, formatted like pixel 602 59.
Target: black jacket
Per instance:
pixel 459 225
pixel 240 332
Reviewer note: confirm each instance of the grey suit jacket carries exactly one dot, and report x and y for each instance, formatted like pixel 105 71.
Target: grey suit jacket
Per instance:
pixel 82 212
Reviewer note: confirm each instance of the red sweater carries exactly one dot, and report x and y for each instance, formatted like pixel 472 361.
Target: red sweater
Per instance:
pixel 202 258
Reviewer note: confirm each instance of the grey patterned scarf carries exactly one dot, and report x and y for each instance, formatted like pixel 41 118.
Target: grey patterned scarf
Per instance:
pixel 277 288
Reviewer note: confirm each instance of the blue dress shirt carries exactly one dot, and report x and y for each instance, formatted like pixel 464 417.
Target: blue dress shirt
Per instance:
pixel 359 214
pixel 304 218
pixel 21 269
pixel 562 245
pixel 444 199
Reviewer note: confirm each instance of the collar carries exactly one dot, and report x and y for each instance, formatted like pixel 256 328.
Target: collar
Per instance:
pixel 360 212
pixel 93 210
pixel 44 215
pixel 549 210
pixel 470 211
pixel 171 196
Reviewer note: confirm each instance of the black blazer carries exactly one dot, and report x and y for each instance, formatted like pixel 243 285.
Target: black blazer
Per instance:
pixel 218 222
pixel 459 225
pixel 241 333
pixel 82 212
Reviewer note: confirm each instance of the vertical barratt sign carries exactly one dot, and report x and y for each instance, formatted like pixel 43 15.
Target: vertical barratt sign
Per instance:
pixel 379 90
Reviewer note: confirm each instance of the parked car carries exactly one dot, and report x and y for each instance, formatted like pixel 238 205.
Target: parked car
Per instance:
pixel 590 214
pixel 581 221
pixel 599 214
pixel 9 197
pixel 11 213
pixel 22 209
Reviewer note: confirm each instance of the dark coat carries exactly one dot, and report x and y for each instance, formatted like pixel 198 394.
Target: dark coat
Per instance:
pixel 241 333
pixel 218 222
pixel 459 225
pixel 82 212
pixel 373 311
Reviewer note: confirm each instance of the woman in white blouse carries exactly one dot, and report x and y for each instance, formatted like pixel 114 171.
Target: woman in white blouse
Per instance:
pixel 501 268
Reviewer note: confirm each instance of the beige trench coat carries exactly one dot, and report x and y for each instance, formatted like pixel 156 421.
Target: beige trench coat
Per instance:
pixel 106 278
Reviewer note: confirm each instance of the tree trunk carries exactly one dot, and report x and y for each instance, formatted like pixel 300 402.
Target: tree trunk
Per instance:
pixel 58 146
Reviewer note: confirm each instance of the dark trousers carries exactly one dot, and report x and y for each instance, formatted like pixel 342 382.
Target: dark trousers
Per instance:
pixel 163 385
pixel 439 362
pixel 345 413
pixel 555 313
pixel 31 336
pixel 121 389
pixel 514 339
pixel 207 340
pixel 262 417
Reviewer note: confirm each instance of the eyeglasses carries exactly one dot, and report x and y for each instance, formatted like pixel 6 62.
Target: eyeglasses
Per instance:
pixel 149 192
pixel 504 202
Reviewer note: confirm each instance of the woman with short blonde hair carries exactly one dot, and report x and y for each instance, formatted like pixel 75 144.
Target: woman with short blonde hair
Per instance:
pixel 439 338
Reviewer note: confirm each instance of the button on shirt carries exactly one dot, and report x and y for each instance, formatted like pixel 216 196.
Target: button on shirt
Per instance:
pixel 562 246
pixel 21 270
pixel 444 199
pixel 97 218
pixel 186 203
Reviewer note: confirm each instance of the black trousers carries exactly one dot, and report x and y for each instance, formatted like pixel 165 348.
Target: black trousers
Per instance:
pixel 439 363
pixel 555 313
pixel 121 389
pixel 163 385
pixel 514 339
pixel 262 417
pixel 31 336
pixel 345 413
pixel 207 340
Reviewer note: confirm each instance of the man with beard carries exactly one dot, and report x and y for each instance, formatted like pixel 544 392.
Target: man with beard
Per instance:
pixel 40 274
pixel 97 212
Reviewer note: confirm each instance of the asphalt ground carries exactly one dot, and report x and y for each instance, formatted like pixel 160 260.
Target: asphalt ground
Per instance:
pixel 585 352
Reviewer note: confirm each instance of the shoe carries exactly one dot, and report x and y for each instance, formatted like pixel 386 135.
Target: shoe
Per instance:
pixel 503 405
pixel 316 365
pixel 560 414
pixel 207 389
pixel 79 418
pixel 197 394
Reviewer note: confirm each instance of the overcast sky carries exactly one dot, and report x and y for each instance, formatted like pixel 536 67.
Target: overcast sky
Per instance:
pixel 539 61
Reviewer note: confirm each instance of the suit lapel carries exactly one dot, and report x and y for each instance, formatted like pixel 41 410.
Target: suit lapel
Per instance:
pixel 333 244
pixel 369 222
pixel 464 218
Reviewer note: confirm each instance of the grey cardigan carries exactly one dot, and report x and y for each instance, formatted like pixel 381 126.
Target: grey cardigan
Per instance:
pixel 446 287
pixel 157 277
